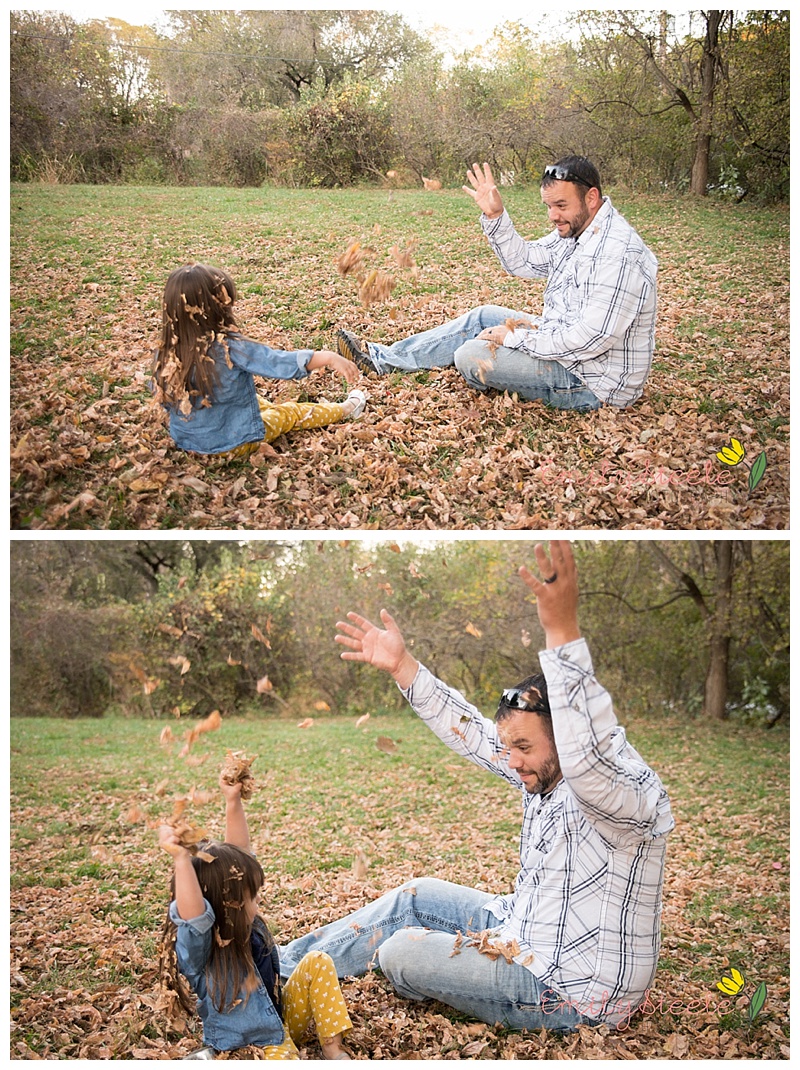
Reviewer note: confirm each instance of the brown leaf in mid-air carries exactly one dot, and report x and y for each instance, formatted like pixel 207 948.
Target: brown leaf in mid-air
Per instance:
pixel 360 865
pixel 351 259
pixel 189 835
pixel 376 287
pixel 306 723
pixel 388 746
pixel 209 724
pixel 259 635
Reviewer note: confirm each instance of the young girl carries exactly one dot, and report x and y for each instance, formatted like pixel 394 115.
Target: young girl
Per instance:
pixel 225 951
pixel 204 372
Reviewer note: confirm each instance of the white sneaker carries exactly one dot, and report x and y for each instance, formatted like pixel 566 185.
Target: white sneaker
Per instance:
pixel 360 398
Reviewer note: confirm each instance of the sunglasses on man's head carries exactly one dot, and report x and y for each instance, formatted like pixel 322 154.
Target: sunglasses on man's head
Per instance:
pixel 517 699
pixel 563 174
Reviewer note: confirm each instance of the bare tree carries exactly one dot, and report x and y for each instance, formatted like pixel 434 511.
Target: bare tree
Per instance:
pixel 716 611
pixel 689 69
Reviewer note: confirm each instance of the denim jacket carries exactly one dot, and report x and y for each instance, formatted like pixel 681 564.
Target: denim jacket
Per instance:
pixel 252 1021
pixel 233 417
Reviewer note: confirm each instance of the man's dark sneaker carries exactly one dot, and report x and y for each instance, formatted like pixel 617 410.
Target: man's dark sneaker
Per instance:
pixel 348 346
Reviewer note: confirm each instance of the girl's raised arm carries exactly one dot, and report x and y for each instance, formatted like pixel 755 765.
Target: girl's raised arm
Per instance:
pixel 188 896
pixel 236 830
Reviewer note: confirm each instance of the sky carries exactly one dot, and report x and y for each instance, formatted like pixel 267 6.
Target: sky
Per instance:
pixel 467 28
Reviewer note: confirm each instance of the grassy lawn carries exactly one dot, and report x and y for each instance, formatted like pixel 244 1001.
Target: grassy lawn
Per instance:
pixel 89 450
pixel 89 886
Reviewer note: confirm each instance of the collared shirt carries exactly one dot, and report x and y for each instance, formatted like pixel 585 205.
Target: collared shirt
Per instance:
pixel 253 1020
pixel 233 417
pixel 586 905
pixel 599 313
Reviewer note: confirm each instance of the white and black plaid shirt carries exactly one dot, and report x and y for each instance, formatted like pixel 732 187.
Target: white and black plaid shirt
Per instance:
pixel 599 313
pixel 586 905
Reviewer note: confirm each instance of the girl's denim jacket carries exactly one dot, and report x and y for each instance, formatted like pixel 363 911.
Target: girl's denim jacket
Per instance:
pixel 233 417
pixel 252 1021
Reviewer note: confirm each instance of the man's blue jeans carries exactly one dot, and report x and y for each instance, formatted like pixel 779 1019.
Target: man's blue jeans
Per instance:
pixel 410 933
pixel 456 342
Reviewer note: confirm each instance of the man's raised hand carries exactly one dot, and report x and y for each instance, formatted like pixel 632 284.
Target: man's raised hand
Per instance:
pixel 484 191
pixel 556 590
pixel 384 648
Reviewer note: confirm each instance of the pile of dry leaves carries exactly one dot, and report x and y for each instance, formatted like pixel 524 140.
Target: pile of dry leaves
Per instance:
pixel 429 453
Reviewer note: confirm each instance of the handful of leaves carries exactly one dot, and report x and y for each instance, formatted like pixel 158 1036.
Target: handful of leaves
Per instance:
pixel 236 770
pixel 189 835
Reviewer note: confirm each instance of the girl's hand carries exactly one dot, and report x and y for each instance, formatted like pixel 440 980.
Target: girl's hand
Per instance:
pixel 232 792
pixel 326 358
pixel 168 839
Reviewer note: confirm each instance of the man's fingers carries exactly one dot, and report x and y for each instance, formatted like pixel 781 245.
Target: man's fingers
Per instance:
pixel 562 557
pixel 529 578
pixel 388 621
pixel 345 640
pixel 542 561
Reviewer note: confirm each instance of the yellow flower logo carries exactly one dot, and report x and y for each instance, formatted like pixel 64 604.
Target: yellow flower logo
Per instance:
pixel 733 454
pixel 732 985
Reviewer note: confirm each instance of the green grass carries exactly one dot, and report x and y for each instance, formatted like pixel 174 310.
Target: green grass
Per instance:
pixel 88 265
pixel 89 884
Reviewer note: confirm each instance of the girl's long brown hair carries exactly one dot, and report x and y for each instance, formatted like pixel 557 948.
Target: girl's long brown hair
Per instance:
pixel 226 882
pixel 197 311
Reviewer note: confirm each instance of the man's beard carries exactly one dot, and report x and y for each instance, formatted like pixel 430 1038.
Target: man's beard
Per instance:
pixel 549 776
pixel 577 227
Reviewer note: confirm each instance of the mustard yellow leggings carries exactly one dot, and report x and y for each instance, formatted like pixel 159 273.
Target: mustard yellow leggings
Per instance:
pixel 291 416
pixel 312 993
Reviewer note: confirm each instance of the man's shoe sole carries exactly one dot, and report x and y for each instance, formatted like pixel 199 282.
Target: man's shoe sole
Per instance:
pixel 348 347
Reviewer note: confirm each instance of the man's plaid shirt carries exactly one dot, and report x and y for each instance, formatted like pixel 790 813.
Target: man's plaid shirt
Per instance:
pixel 599 313
pixel 586 905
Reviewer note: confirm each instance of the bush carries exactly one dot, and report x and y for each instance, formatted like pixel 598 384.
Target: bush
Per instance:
pixel 340 136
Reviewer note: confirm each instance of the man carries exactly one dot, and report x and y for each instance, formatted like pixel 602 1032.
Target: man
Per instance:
pixel 593 343
pixel 577 941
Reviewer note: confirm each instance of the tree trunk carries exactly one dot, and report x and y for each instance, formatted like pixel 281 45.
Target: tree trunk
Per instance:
pixel 709 70
pixel 716 687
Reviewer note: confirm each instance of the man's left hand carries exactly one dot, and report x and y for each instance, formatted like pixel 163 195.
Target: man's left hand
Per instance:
pixel 556 591
pixel 497 335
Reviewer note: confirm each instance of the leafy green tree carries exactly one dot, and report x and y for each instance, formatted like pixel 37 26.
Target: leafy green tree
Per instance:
pixel 81 105
pixel 755 105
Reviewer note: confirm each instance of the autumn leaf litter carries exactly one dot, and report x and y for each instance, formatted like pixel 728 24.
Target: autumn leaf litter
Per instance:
pixel 429 453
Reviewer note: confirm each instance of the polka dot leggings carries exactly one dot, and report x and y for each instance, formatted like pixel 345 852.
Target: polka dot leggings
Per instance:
pixel 298 416
pixel 291 416
pixel 312 993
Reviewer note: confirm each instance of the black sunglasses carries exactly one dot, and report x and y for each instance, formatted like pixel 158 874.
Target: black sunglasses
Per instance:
pixel 563 174
pixel 517 699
